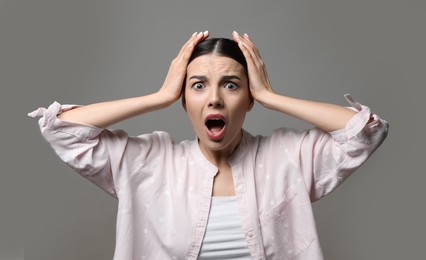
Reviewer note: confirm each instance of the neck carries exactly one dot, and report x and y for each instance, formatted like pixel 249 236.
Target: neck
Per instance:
pixel 221 157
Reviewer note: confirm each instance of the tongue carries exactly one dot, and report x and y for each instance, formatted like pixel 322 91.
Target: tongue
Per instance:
pixel 215 129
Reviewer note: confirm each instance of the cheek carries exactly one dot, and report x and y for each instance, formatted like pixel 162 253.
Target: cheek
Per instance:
pixel 242 113
pixel 193 111
pixel 240 110
pixel 244 101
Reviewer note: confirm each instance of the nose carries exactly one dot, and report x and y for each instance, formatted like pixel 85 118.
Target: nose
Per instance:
pixel 215 98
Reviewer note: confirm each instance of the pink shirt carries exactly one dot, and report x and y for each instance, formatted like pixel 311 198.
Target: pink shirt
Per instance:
pixel 164 188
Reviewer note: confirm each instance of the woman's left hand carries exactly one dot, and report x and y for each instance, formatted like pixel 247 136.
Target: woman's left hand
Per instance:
pixel 328 117
pixel 259 83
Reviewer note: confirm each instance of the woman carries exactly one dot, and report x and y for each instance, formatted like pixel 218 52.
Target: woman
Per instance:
pixel 227 194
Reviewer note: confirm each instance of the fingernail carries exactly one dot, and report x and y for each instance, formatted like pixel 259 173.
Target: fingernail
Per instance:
pixel 194 34
pixel 235 32
pixel 199 34
pixel 206 32
pixel 246 35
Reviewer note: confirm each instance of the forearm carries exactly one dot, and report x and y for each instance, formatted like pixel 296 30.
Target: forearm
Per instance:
pixel 328 117
pixel 107 113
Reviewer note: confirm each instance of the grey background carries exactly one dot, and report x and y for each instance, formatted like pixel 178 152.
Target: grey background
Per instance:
pixel 85 51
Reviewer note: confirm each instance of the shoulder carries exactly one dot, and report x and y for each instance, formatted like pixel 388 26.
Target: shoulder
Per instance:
pixel 155 138
pixel 157 144
pixel 287 135
pixel 162 139
pixel 288 138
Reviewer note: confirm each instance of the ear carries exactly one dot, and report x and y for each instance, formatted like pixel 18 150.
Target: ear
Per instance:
pixel 184 103
pixel 251 104
pixel 182 95
pixel 251 100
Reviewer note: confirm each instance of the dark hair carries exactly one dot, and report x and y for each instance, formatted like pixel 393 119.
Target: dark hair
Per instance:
pixel 221 47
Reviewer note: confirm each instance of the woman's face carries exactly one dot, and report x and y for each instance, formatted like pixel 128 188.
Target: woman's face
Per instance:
pixel 217 100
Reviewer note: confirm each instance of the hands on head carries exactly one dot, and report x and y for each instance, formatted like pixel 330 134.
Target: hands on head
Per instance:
pixel 328 117
pixel 258 77
pixel 315 113
pixel 104 114
pixel 172 86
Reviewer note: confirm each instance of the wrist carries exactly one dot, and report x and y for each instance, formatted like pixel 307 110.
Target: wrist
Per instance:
pixel 265 98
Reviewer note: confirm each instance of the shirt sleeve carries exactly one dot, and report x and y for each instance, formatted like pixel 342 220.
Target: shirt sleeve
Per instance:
pixel 327 159
pixel 96 154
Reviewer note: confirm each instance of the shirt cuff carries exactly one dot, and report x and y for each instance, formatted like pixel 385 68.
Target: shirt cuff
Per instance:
pixel 358 122
pixel 50 113
pixel 49 120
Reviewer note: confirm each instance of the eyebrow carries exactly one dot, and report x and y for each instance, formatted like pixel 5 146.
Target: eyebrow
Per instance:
pixel 226 77
pixel 230 77
pixel 198 77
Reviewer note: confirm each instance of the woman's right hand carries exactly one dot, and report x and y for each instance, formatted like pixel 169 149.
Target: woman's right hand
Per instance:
pixel 172 86
pixel 104 114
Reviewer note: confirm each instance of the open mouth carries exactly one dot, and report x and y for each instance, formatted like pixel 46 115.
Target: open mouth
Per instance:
pixel 215 126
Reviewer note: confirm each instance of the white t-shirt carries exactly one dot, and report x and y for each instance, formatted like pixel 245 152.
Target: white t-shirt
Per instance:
pixel 224 237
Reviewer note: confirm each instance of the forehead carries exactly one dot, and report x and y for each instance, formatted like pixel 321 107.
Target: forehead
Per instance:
pixel 214 64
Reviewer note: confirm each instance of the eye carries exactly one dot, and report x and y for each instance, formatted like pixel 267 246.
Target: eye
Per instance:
pixel 231 86
pixel 198 86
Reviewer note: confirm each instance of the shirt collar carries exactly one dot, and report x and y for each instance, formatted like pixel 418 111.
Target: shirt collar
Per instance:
pixel 236 156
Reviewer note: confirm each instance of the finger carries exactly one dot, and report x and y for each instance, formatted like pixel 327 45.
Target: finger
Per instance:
pixel 254 61
pixel 243 47
pixel 251 43
pixel 188 43
pixel 195 39
pixel 249 49
pixel 252 47
pixel 246 39
pixel 254 67
pixel 201 36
